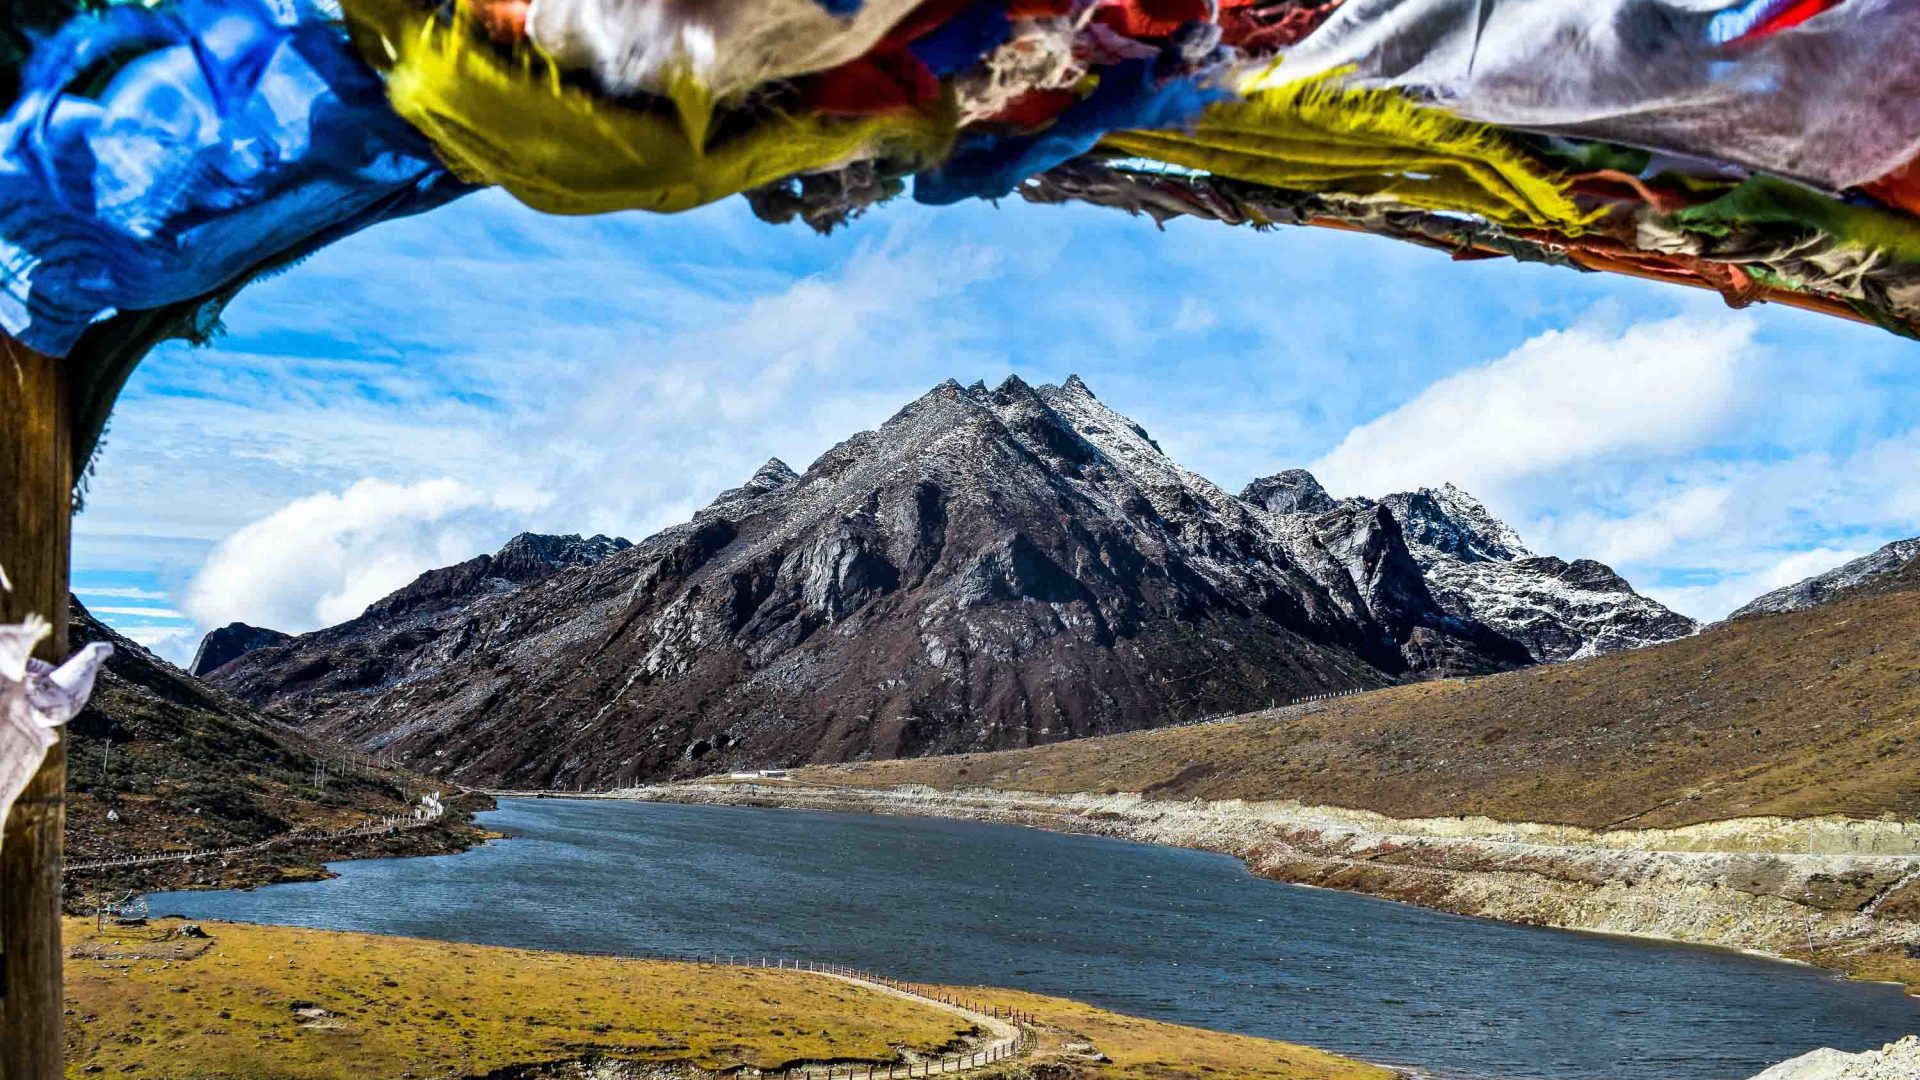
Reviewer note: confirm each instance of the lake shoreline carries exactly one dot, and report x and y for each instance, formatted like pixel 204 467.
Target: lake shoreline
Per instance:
pixel 1729 892
pixel 283 859
pixel 1153 929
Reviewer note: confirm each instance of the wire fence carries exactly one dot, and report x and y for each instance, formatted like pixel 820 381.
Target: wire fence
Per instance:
pixel 1002 1048
pixel 381 826
pixel 1304 699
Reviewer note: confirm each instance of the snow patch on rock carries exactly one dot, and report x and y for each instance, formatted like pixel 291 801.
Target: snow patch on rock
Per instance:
pixel 1821 588
pixel 1477 568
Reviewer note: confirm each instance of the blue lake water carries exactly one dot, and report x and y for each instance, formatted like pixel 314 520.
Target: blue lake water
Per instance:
pixel 1176 935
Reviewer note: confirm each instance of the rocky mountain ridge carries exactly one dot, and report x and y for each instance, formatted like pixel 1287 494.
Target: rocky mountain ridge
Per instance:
pixel 1824 587
pixel 526 559
pixel 398 637
pixel 989 568
pixel 229 643
pixel 1478 569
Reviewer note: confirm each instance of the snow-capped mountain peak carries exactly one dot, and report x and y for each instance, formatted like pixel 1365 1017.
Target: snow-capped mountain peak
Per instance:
pixel 1477 567
pixel 1448 521
pixel 1292 491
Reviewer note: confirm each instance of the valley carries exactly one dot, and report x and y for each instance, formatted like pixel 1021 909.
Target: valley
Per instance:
pixel 1149 930
pixel 1008 606
pixel 160 762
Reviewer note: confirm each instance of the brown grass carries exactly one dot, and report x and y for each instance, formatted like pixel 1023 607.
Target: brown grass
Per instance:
pixel 1812 712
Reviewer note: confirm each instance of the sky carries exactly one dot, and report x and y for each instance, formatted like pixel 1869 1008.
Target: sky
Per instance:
pixel 419 393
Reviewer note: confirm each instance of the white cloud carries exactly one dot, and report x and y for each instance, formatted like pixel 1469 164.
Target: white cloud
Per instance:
pixel 1706 536
pixel 1561 400
pixel 1675 516
pixel 175 643
pixel 322 559
pixel 138 612
pixel 1195 316
pixel 643 439
pixel 120 592
pixel 1716 600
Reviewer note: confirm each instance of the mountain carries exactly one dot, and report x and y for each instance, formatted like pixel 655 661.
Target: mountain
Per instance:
pixel 1823 588
pixel 404 636
pixel 988 569
pixel 1476 567
pixel 183 765
pixel 229 643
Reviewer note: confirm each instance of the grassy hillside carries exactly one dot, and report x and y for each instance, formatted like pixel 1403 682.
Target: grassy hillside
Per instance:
pixel 266 1003
pixel 185 766
pixel 1809 712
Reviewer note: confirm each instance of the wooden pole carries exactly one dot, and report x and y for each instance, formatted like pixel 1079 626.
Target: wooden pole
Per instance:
pixel 36 486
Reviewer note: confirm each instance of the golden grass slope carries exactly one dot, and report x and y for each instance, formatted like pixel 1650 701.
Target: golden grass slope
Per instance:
pixel 267 1003
pixel 1805 713
pixel 264 1002
pixel 1149 1050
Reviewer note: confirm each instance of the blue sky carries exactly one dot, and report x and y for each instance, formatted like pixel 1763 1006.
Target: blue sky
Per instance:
pixel 419 393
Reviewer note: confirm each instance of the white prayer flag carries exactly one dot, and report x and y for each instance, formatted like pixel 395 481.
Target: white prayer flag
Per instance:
pixel 36 698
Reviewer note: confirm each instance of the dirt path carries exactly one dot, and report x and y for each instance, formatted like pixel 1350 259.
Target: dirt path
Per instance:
pixel 1008 1032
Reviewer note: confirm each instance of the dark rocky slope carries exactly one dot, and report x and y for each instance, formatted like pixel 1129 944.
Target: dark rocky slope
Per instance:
pixel 229 643
pixel 989 569
pixel 182 765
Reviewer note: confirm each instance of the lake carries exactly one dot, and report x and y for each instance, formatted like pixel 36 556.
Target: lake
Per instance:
pixel 1176 935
